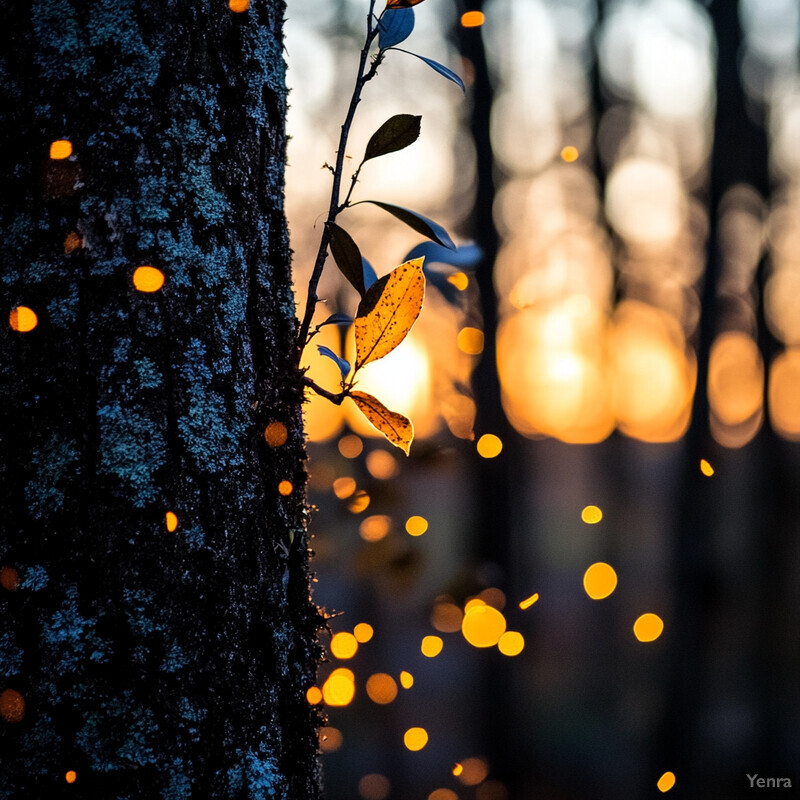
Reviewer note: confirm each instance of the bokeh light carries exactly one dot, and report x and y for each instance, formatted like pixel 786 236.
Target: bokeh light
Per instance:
pixel 344 645
pixel 148 279
pixel 431 646
pixel 648 627
pixel 591 515
pixel 60 149
pixel 483 626
pixel 666 781
pixel 381 688
pixel 415 738
pixel 511 643
pixel 416 525
pixel 340 688
pixel 22 319
pixel 599 580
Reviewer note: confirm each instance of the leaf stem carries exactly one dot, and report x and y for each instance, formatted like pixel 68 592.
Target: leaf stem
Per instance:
pixel 334 207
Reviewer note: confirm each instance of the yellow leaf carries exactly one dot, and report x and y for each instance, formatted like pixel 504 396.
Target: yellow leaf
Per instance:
pixel 387 311
pixel 398 429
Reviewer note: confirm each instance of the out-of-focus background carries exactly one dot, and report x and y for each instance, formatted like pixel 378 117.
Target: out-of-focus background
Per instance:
pixel 607 404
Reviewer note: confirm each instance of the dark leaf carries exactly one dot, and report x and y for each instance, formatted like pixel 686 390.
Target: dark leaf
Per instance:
pixel 347 256
pixel 427 227
pixel 441 69
pixel 398 132
pixel 436 257
pixel 395 26
pixel 464 256
pixel 370 275
pixel 344 366
pixel 336 319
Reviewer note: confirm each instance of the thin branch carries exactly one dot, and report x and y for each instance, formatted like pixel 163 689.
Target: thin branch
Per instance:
pixel 334 207
pixel 334 398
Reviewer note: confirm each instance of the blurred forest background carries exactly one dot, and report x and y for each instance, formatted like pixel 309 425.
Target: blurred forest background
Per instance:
pixel 617 381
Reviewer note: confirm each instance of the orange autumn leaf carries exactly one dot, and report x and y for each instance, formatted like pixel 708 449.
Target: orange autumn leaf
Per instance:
pixel 388 311
pixel 402 3
pixel 399 430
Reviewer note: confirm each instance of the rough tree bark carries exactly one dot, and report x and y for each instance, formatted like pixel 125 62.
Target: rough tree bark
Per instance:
pixel 154 663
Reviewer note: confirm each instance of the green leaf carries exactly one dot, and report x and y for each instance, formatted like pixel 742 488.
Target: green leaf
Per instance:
pixel 397 132
pixel 347 256
pixel 427 227
pixel 388 311
pixel 398 429
pixel 344 366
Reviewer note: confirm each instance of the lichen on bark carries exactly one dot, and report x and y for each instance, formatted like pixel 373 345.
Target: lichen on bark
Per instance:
pixel 153 662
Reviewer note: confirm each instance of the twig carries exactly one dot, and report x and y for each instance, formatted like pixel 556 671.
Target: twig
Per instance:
pixel 334 207
pixel 334 398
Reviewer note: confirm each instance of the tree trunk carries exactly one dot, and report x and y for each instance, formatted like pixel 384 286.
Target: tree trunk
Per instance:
pixel 153 656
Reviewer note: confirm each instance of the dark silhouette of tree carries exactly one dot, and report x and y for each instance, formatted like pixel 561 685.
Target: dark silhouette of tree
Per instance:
pixel 146 654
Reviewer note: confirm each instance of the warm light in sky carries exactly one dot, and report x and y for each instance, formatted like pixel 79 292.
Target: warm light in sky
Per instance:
pixel 406 679
pixel 706 468
pixel 735 386
pixel 285 488
pixel 172 521
pixel 784 389
pixel 239 6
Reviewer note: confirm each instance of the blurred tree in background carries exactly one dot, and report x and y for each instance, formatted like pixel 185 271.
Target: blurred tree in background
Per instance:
pixel 616 383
